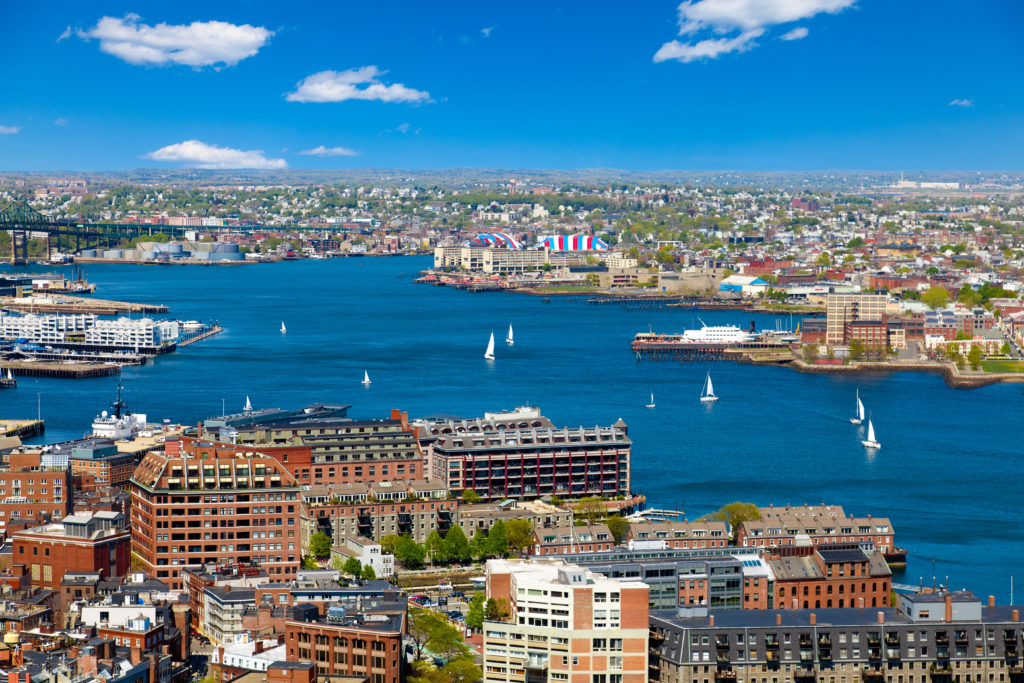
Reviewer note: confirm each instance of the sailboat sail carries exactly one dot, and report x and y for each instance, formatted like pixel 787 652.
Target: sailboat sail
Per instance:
pixel 860 409
pixel 366 377
pixel 248 405
pixel 509 340
pixel 283 328
pixel 489 353
pixel 710 388
pixel 871 431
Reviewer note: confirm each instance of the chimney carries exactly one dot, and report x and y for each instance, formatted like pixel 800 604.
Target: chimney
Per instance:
pixel 860 603
pixel 778 619
pixel 881 617
pixel 1015 615
pixel 949 607
pixel 991 601
pixel 711 621
pixel 814 619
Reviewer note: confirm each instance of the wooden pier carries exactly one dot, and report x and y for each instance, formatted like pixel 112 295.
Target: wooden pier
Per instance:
pixel 23 429
pixel 673 350
pixel 205 333
pixel 58 370
pixel 62 303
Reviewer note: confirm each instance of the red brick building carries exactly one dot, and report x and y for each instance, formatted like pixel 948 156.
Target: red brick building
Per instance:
pixel 97 542
pixel 31 491
pixel 807 577
pixel 353 645
pixel 188 512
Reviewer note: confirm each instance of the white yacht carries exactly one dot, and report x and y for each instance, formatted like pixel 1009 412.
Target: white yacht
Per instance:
pixel 871 443
pixel 708 392
pixel 717 334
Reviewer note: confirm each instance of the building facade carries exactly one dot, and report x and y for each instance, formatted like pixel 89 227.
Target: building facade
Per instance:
pixel 846 308
pixel 88 542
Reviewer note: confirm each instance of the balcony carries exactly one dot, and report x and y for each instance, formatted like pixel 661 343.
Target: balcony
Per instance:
pixel 892 639
pixel 942 639
pixel 873 674
pixel 806 640
pixel 725 674
pixel 805 674
pixel 721 641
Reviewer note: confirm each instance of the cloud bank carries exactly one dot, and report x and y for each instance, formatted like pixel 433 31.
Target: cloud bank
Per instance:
pixel 355 84
pixel 201 43
pixel 322 151
pixel 9 130
pixel 195 153
pixel 962 103
pixel 733 25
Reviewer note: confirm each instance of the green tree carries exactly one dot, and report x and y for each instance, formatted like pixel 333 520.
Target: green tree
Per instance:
pixel 369 574
pixel 309 563
pixel 856 349
pixel 1005 349
pixel 353 567
pixel 619 527
pixel 461 670
pixel 436 551
pixel 974 356
pixel 479 545
pixel 475 613
pixel 969 296
pixel 520 534
pixel 410 553
pixel 470 496
pixel 422 624
pixel 320 545
pixel 388 543
pixel 456 546
pixel 735 514
pixel 811 352
pixel 497 541
pixel 495 610
pixel 935 297
pixel 590 509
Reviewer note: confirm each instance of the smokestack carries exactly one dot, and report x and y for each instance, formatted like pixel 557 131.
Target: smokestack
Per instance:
pixel 949 607
pixel 1015 615
pixel 778 619
pixel 881 617
pixel 814 619
pixel 991 601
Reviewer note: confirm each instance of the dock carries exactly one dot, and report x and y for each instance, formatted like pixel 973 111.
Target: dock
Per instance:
pixel 204 333
pixel 668 347
pixel 59 370
pixel 62 303
pixel 23 429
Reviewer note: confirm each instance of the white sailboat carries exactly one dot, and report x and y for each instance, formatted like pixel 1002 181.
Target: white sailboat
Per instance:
pixel 509 340
pixel 708 394
pixel 651 404
pixel 366 378
pixel 248 405
pixel 858 412
pixel 283 328
pixel 489 353
pixel 871 442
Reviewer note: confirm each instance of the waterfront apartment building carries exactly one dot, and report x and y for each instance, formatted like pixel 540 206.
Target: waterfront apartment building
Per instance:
pixel 681 534
pixel 377 510
pixel 325 446
pixel 846 308
pixel 780 527
pixel 144 334
pixel 565 623
pixel 521 454
pixel 188 512
pixel 33 488
pixel 929 638
pixel 496 260
pixel 99 543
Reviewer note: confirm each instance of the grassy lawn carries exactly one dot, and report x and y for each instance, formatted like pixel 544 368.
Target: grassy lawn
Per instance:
pixel 1002 365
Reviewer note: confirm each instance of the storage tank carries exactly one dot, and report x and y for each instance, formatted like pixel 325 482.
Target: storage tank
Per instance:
pixel 113 253
pixel 88 253
pixel 173 248
pixel 147 255
pixel 227 257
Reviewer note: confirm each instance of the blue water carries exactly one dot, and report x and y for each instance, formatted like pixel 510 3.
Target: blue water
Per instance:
pixel 948 474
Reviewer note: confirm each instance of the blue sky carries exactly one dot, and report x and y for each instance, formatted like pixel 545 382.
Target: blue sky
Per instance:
pixel 709 84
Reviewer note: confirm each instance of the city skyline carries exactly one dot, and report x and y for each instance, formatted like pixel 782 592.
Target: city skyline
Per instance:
pixel 715 84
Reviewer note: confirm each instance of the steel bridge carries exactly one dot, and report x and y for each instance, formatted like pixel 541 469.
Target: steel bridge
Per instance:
pixel 23 222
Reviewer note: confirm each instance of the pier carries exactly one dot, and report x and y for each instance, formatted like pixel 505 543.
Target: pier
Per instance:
pixel 204 333
pixel 23 429
pixel 74 304
pixel 669 348
pixel 59 370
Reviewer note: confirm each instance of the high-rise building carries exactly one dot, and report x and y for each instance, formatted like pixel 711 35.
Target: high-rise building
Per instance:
pixel 842 309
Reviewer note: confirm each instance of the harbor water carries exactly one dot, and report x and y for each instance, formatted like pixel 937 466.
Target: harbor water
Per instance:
pixel 948 473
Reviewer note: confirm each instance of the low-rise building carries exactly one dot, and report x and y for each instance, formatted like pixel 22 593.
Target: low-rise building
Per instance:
pixel 85 542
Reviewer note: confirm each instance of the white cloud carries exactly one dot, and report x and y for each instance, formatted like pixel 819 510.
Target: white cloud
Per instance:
pixel 202 155
pixel 201 43
pixel 707 49
pixel 486 31
pixel 322 151
pixel 65 34
pixel 962 103
pixel 9 130
pixel 60 122
pixel 747 19
pixel 338 86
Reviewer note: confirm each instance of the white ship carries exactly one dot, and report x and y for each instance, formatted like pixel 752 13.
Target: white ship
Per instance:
pixel 717 334
pixel 119 425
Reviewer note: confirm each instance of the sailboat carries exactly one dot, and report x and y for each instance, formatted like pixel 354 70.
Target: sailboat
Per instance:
pixel 651 404
pixel 870 442
pixel 366 378
pixel 248 405
pixel 489 353
pixel 509 340
pixel 283 328
pixel 858 411
pixel 708 394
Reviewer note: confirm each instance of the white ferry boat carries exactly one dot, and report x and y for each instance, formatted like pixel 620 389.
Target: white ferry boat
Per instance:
pixel 717 334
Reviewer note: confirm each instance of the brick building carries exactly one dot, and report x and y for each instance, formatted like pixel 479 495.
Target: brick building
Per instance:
pixel 188 512
pixel 822 578
pixel 33 488
pixel 570 539
pixel 87 542
pixel 681 534
pixel 779 527
pixel 347 644
pixel 841 309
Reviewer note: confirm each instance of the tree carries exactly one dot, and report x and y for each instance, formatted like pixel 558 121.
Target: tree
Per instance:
pixel 497 541
pixel 461 670
pixel 520 534
pixel 422 624
pixel 935 297
pixel 811 352
pixel 974 356
pixel 320 545
pixel 470 496
pixel 388 543
pixel 436 552
pixel 410 553
pixel 591 509
pixel 369 574
pixel 856 349
pixel 735 514
pixel 495 610
pixel 479 545
pixel 353 567
pixel 456 546
pixel 619 527
pixel 969 296
pixel 475 613
pixel 1005 349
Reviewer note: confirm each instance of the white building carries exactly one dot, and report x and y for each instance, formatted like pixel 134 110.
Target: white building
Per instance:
pixel 369 553
pixel 257 655
pixel 117 616
pixel 89 329
pixel 128 333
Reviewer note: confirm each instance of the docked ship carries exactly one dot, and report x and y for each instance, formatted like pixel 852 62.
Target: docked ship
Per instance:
pixel 706 335
pixel 119 423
